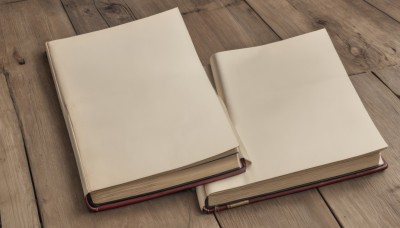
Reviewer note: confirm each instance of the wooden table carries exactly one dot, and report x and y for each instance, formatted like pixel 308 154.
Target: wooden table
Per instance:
pixel 39 182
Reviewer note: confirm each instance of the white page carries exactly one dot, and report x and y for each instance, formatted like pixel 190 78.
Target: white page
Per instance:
pixel 293 106
pixel 139 100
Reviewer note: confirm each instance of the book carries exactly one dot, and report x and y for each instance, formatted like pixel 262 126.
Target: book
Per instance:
pixel 297 116
pixel 143 119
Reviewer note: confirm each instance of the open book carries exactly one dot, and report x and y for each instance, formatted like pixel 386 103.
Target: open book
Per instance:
pixel 298 117
pixel 142 116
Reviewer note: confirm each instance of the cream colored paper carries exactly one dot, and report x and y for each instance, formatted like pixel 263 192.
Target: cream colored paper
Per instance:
pixel 293 107
pixel 137 101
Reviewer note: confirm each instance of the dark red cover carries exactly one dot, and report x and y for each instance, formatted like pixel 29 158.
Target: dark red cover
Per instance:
pixel 296 189
pixel 153 195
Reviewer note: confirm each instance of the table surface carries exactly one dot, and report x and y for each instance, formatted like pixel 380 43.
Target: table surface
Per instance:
pixel 39 182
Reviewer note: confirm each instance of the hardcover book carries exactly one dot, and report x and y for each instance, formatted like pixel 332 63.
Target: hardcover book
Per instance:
pixel 142 116
pixel 298 117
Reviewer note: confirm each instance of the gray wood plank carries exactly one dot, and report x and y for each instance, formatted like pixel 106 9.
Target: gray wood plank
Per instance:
pixel 374 200
pixel 364 37
pixel 25 27
pixel 391 77
pixel 17 200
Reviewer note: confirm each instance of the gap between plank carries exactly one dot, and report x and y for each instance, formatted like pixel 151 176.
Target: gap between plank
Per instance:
pixel 69 19
pixel 98 11
pixel 262 19
pixel 20 125
pixel 381 11
pixel 216 218
pixel 330 209
pixel 376 75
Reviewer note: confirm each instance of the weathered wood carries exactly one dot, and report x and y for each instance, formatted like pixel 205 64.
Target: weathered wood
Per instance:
pixel 391 77
pixel 27 26
pixel 305 209
pixel 9 1
pixel 88 15
pixel 390 7
pixel 17 200
pixel 213 25
pixel 114 12
pixel 364 37
pixel 374 200
pixel 84 16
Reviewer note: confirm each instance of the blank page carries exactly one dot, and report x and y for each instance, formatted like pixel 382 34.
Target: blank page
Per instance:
pixel 138 100
pixel 293 106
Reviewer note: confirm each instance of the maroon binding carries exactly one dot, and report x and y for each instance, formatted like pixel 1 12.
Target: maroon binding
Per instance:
pixel 299 189
pixel 164 192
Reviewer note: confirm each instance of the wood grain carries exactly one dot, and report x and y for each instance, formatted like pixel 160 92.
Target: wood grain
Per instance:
pixel 390 7
pixel 391 77
pixel 92 15
pixel 17 199
pixel 2 2
pixel 84 16
pixel 374 200
pixel 364 37
pixel 213 25
pixel 114 12
pixel 305 209
pixel 60 196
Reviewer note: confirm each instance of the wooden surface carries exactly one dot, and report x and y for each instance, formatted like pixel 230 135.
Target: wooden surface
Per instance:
pixel 36 158
pixel 17 200
pixel 373 201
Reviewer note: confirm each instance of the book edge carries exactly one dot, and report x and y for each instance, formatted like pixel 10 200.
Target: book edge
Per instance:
pixel 321 183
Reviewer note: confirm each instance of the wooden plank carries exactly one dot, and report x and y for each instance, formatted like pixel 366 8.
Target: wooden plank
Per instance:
pixel 364 37
pixel 92 15
pixel 86 9
pixel 26 26
pixel 114 12
pixel 391 77
pixel 17 200
pixel 9 1
pixel 390 7
pixel 305 209
pixel 374 200
pixel 213 25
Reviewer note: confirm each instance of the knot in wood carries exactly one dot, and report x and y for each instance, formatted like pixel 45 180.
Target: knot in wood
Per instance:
pixel 356 51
